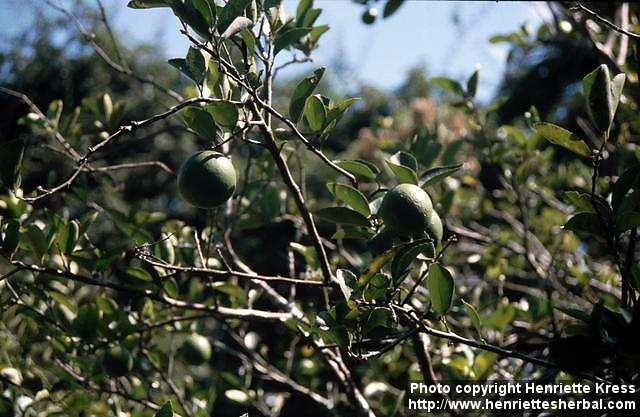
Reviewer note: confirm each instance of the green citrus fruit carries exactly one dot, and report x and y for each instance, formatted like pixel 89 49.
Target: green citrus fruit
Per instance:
pixel 196 350
pixel 207 179
pixel 407 211
pixel 117 361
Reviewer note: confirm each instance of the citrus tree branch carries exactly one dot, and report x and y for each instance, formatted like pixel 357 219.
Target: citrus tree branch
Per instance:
pixel 218 311
pixel 611 25
pixel 409 314
pixel 226 274
pixel 230 70
pixel 90 37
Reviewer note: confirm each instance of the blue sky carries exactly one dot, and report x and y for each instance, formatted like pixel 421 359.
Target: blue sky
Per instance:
pixel 421 33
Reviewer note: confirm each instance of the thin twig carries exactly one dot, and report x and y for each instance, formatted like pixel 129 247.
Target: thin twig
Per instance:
pixel 90 38
pixel 491 348
pixel 229 273
pixel 596 16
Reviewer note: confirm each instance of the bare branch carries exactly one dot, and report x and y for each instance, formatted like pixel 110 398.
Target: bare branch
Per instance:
pixel 231 273
pixel 90 38
pixel 239 313
pixel 597 17
pixel 490 348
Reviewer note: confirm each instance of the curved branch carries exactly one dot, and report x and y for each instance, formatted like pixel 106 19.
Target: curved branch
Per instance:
pixel 597 17
pixel 90 38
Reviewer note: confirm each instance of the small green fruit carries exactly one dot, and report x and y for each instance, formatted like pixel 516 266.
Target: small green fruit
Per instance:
pixel 196 350
pixel 207 179
pixel 408 212
pixel 117 361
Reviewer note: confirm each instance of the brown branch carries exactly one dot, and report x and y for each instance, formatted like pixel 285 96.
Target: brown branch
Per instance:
pixel 239 313
pixel 90 38
pixel 134 165
pixel 67 368
pixel 26 100
pixel 134 125
pixel 226 274
pixel 491 348
pixel 594 15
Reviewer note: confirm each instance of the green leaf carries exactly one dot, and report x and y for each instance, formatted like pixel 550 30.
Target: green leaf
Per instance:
pixel 362 169
pixel 440 285
pixel 181 65
pixel 585 203
pixel 473 315
pixel 138 273
pixel 585 223
pixel 562 137
pixel 514 133
pixel 405 256
pixel 302 91
pixel 195 13
pixel 626 181
pixel 303 7
pixel 36 240
pixel 346 280
pixel 391 7
pixel 196 65
pixel 379 317
pixel 55 111
pixel 627 221
pixel 230 11
pixel 350 196
pixel 596 87
pixel 316 32
pixel 433 175
pixel 11 236
pixel 448 84
pixel 315 112
pixel 309 253
pixel 148 4
pixel 68 236
pixel 11 162
pixel 404 167
pixel 165 411
pixel 342 215
pixel 224 113
pixel 170 287
pixel 336 111
pixel 230 289
pixel 310 18
pixel 200 121
pixel 472 84
pixel 617 84
pixel 238 24
pixel 287 38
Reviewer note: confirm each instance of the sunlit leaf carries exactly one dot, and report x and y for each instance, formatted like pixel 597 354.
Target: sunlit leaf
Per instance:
pixel 562 137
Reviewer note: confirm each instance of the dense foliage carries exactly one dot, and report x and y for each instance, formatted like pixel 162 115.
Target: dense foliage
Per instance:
pixel 369 241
